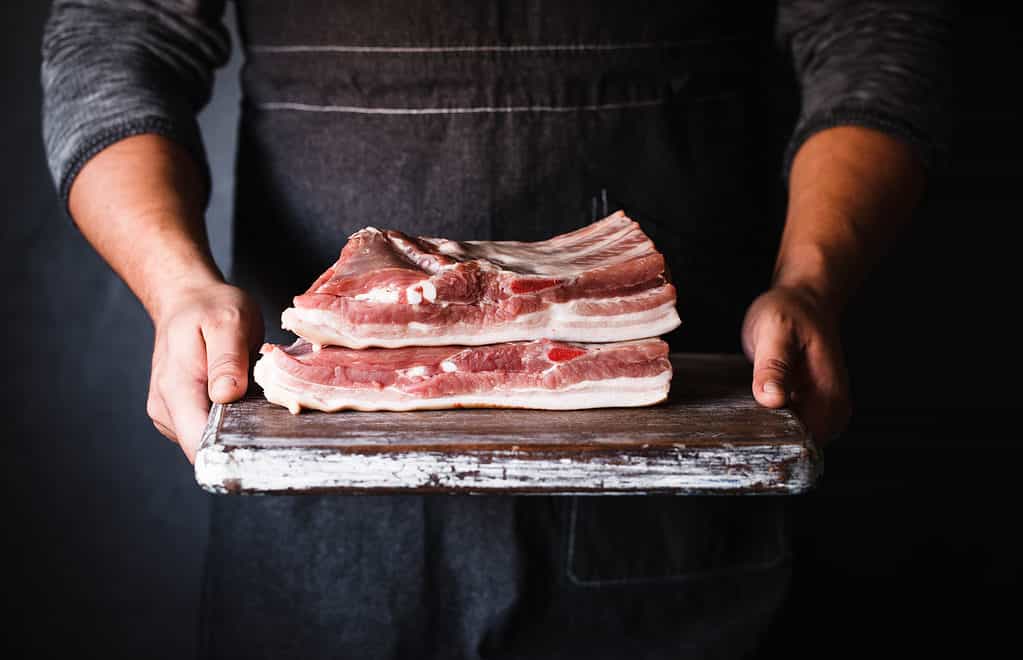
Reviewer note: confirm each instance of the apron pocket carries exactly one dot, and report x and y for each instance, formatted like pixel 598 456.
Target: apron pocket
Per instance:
pixel 643 539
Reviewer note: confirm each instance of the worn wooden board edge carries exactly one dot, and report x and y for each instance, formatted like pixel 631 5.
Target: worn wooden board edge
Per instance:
pixel 768 468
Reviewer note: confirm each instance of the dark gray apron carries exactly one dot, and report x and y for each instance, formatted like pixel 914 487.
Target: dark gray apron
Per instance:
pixel 512 120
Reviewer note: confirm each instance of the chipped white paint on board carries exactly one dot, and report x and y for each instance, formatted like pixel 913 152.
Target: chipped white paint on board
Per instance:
pixel 284 470
pixel 709 437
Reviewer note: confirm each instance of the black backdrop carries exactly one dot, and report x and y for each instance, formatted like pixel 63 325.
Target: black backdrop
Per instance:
pixel 908 544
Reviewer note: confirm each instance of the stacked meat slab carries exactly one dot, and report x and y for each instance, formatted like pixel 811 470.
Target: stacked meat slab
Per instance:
pixel 404 323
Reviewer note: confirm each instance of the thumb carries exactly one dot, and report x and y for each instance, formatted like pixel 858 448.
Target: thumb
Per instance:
pixel 227 363
pixel 774 354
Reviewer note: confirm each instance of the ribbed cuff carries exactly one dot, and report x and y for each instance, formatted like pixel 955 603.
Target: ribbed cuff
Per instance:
pixel 188 137
pixel 930 153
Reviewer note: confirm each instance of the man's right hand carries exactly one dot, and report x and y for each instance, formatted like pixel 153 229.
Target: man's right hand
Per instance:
pixel 139 202
pixel 205 335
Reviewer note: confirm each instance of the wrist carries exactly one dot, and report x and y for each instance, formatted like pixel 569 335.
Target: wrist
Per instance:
pixel 808 271
pixel 167 290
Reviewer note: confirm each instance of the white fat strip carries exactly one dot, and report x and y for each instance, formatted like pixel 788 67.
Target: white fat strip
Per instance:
pixel 425 261
pixel 421 291
pixel 369 229
pixel 559 321
pixel 447 247
pixel 447 366
pixel 285 390
pixel 563 256
pixel 381 295
pixel 418 371
pixel 429 291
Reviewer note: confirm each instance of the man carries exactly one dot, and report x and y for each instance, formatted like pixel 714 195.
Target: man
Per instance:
pixel 492 120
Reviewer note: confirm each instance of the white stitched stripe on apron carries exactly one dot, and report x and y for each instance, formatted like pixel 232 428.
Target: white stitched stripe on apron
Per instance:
pixel 509 48
pixel 304 107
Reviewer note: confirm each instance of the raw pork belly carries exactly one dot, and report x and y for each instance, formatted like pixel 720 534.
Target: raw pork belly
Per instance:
pixel 538 374
pixel 601 283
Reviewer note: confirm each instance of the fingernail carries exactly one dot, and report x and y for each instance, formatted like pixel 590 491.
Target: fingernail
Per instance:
pixel 224 385
pixel 771 387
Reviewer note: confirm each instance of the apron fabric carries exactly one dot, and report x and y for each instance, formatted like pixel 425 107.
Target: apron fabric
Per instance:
pixel 502 121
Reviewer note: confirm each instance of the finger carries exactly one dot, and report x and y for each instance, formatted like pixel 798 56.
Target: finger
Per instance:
pixel 825 407
pixel 183 389
pixel 155 407
pixel 824 416
pixel 189 408
pixel 774 363
pixel 158 414
pixel 227 358
pixel 165 431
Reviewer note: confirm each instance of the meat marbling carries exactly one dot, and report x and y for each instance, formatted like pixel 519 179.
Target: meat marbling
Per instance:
pixel 602 283
pixel 541 374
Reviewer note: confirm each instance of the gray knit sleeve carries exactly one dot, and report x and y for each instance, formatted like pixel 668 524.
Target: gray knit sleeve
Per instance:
pixel 117 68
pixel 873 64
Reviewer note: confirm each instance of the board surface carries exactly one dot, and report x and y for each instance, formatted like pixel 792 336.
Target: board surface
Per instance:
pixel 709 437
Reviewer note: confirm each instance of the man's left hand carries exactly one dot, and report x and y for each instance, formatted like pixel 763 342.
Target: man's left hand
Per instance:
pixel 792 339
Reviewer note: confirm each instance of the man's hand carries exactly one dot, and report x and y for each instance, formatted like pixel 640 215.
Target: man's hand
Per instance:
pixel 850 189
pixel 204 337
pixel 792 340
pixel 140 203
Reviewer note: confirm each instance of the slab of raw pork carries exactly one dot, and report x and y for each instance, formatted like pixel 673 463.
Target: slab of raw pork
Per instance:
pixel 541 374
pixel 602 283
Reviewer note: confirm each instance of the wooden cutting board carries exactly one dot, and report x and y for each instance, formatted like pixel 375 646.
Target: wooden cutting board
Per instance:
pixel 709 437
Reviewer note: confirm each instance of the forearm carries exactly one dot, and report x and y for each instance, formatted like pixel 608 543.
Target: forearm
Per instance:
pixel 139 203
pixel 850 189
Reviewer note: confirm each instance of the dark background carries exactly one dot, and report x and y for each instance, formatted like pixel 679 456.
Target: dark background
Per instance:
pixel 908 545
